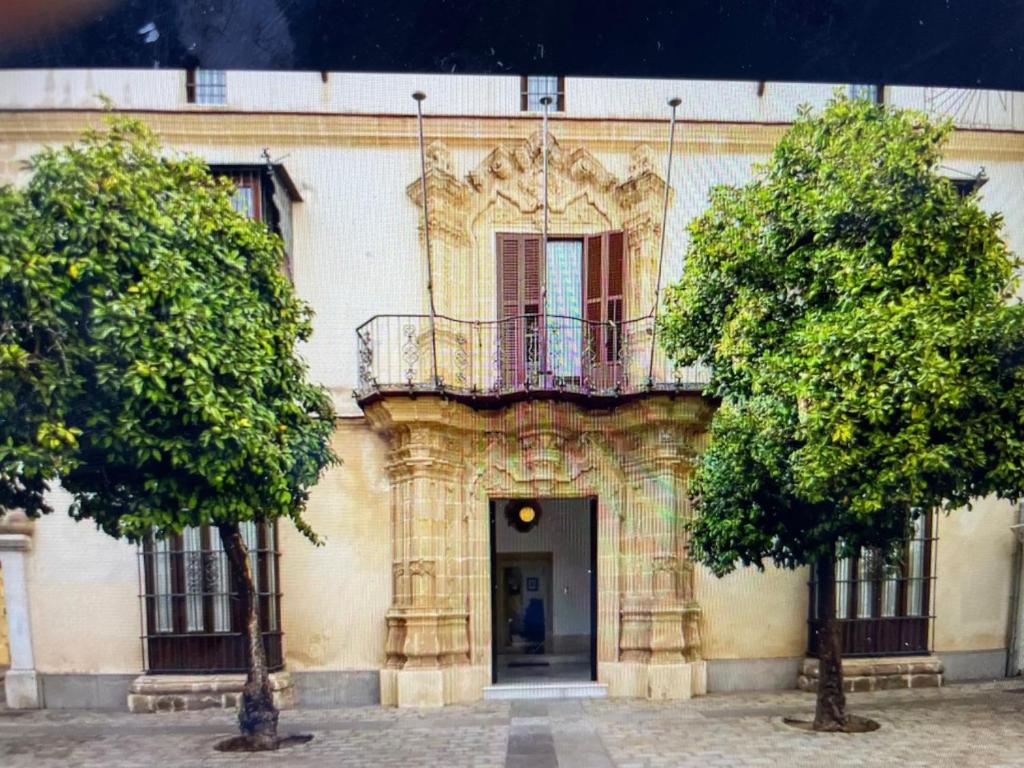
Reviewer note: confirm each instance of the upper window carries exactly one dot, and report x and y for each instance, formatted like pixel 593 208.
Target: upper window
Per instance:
pixel 265 194
pixel 535 87
pixel 870 92
pixel 206 86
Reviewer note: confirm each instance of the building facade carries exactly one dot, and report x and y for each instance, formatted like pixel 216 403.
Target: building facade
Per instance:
pixel 510 511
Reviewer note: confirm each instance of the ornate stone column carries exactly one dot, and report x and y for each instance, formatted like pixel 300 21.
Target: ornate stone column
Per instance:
pixel 447 197
pixel 641 197
pixel 659 646
pixel 427 644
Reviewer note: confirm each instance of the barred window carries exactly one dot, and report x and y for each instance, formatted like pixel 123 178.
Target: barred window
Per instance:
pixel 193 620
pixel 535 87
pixel 206 86
pixel 883 606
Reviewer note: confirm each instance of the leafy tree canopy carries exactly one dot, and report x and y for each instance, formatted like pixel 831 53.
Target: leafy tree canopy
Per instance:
pixel 148 346
pixel 858 315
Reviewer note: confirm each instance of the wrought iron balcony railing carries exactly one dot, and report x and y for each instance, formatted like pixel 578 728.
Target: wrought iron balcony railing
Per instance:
pixel 525 355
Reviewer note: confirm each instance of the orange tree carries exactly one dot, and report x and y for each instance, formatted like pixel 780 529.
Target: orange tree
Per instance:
pixel 858 316
pixel 147 345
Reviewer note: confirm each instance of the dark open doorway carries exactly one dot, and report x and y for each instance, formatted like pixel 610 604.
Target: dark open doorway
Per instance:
pixel 543 590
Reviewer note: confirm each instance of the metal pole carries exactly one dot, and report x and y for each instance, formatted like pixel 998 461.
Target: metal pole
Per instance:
pixel 546 101
pixel 674 103
pixel 541 329
pixel 419 96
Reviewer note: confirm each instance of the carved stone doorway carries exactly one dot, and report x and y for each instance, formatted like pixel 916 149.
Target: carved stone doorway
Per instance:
pixel 447 461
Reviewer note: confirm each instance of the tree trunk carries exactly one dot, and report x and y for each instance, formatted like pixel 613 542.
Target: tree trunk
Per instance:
pixel 257 715
pixel 830 713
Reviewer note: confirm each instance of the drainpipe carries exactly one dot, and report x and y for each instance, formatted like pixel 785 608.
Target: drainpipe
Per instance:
pixel 1015 642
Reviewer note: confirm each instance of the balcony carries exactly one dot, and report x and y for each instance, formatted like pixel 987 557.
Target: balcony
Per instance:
pixel 488 363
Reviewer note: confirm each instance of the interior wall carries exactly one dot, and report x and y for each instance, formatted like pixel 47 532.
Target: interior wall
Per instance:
pixel 564 530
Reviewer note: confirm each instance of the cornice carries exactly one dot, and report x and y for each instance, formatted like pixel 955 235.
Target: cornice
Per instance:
pixel 323 129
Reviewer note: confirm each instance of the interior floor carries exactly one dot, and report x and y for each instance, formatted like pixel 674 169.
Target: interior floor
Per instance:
pixel 542 668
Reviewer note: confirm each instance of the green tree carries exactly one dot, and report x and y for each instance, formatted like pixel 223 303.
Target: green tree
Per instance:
pixel 150 334
pixel 858 317
pixel 35 443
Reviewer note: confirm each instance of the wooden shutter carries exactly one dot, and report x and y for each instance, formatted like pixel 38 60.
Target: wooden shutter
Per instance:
pixel 604 278
pixel 603 295
pixel 520 278
pixel 520 274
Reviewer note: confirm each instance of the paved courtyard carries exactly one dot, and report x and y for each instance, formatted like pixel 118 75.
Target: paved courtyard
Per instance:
pixel 959 725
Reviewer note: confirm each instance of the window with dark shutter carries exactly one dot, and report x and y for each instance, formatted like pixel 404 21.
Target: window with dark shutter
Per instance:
pixel 532 88
pixel 533 346
pixel 205 86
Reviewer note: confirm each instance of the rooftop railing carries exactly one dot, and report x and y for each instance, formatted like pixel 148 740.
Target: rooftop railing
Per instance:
pixel 524 355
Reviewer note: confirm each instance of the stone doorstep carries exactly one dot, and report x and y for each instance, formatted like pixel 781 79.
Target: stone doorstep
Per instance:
pixel 555 690
pixel 177 693
pixel 879 674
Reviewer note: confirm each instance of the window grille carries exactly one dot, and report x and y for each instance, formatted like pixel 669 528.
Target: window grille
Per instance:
pixel 535 87
pixel 872 93
pixel 192 614
pixel 883 608
pixel 206 86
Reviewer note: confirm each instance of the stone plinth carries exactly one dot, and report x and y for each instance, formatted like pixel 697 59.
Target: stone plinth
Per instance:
pixel 21 683
pixel 879 673
pixel 178 693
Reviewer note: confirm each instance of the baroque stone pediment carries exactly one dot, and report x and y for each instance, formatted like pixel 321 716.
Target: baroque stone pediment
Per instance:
pixel 514 172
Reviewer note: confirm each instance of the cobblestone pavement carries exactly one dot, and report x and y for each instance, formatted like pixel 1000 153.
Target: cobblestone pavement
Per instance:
pixel 960 725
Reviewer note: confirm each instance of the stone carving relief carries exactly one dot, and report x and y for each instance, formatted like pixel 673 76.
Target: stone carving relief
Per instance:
pixel 506 191
pixel 448 460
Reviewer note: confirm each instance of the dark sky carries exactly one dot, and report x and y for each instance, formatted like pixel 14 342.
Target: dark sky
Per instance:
pixel 976 43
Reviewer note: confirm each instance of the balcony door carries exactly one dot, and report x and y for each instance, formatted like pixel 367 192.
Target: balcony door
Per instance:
pixel 559 312
pixel 563 333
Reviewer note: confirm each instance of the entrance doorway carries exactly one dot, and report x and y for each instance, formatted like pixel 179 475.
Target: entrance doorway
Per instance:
pixel 544 590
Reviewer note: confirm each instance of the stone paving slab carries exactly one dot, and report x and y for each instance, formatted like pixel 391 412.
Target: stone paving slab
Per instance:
pixel 959 725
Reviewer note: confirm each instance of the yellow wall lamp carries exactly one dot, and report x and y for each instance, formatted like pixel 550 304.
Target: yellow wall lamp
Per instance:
pixel 523 514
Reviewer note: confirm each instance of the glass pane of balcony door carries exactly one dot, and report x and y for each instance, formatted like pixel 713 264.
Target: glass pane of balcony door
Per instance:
pixel 564 291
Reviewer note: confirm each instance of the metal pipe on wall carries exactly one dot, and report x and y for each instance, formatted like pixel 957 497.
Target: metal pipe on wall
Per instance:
pixel 546 102
pixel 674 103
pixel 419 96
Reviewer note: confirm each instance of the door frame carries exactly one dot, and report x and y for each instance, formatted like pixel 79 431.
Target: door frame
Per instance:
pixel 592 512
